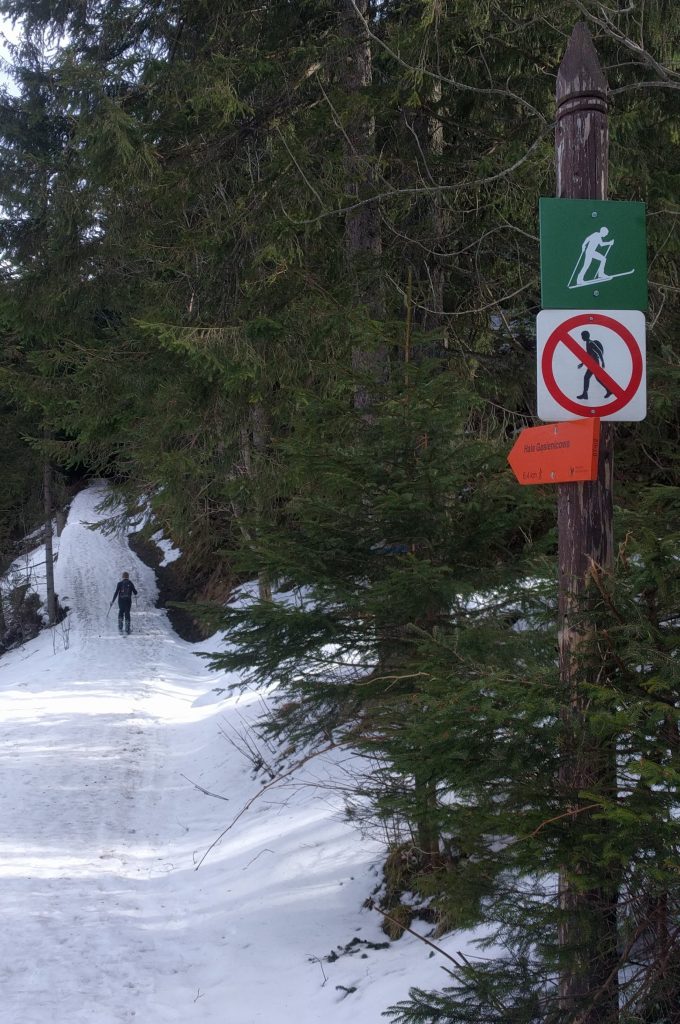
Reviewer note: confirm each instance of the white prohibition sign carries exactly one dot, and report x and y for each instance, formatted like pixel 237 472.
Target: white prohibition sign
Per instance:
pixel 591 363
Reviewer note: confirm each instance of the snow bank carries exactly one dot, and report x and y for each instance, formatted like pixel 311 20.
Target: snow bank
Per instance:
pixel 110 747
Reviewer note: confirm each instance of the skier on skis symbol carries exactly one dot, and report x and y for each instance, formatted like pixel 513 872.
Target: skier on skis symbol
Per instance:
pixel 595 249
pixel 593 253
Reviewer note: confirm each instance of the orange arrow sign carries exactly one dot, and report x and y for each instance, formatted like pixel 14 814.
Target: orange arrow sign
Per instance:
pixel 557 453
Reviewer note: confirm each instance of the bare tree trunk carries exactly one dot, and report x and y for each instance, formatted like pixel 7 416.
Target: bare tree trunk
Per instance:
pixel 363 240
pixel 432 212
pixel 260 434
pixel 440 216
pixel 3 623
pixel 427 834
pixel 254 439
pixel 440 221
pixel 588 929
pixel 49 553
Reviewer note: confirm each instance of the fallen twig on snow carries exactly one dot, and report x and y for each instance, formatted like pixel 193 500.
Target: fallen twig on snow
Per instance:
pixel 269 785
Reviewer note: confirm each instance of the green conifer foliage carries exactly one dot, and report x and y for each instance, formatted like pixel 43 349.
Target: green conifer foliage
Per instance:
pixel 632 838
pixel 182 310
pixel 20 471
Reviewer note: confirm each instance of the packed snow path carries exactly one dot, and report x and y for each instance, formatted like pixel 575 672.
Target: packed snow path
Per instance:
pixel 105 918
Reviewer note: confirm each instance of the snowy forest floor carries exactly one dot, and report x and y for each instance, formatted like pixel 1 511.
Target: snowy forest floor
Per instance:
pixel 106 919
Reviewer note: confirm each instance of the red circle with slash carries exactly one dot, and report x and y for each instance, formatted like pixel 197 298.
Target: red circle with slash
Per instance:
pixel 561 336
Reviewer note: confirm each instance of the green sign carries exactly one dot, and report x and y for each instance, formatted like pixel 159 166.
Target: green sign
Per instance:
pixel 593 254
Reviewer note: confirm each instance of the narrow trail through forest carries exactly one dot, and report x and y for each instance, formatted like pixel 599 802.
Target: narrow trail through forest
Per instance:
pixel 85 849
pixel 105 918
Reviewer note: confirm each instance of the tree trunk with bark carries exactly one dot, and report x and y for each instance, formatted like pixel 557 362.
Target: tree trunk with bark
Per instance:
pixel 49 552
pixel 254 437
pixel 363 240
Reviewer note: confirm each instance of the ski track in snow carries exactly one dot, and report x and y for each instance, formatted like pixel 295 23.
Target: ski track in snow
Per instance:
pixel 105 919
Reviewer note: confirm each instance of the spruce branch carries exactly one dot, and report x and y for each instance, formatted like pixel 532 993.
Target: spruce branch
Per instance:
pixel 415 190
pixel 445 79
pixel 596 573
pixel 668 79
pixel 571 813
pixel 463 963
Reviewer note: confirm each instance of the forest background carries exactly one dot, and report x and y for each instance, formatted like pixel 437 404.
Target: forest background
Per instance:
pixel 273 268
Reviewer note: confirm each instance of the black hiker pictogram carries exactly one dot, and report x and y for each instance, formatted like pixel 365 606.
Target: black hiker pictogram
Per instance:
pixel 595 350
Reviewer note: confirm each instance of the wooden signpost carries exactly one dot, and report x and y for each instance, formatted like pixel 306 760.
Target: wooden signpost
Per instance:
pixel 587 930
pixel 591 369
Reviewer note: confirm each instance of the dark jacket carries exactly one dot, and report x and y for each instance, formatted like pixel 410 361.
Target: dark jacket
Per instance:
pixel 124 591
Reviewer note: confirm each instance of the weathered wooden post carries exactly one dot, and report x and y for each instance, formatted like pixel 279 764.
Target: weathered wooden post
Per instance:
pixel 49 551
pixel 588 927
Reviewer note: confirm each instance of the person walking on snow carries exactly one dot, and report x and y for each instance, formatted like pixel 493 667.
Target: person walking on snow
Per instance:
pixel 124 592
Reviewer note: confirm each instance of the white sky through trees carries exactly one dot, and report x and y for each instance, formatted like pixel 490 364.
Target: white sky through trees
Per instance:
pixel 8 34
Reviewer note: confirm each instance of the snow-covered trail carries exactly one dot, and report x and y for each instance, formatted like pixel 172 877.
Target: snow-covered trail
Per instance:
pixel 105 919
pixel 84 766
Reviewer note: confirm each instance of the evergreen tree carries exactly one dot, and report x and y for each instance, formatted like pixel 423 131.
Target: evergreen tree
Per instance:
pixel 290 297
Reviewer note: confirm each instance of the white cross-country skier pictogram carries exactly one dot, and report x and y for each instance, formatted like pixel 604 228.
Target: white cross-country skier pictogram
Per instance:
pixel 594 249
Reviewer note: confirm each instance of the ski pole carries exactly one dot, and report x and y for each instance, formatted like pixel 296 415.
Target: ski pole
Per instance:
pixel 574 270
